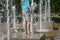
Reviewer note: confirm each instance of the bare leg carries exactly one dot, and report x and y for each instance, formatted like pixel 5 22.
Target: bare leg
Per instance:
pixel 28 27
pixel 25 26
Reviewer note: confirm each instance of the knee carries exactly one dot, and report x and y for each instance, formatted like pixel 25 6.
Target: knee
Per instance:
pixel 28 23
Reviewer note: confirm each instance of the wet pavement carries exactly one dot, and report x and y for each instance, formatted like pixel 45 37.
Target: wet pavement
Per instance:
pixel 58 35
pixel 19 35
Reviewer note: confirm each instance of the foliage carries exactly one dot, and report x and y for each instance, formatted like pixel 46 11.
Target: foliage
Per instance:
pixel 55 6
pixel 18 5
pixel 55 18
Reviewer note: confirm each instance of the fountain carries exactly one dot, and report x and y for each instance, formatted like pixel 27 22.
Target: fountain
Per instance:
pixel 8 31
pixel 14 17
pixel 44 17
pixel 41 25
pixel 45 21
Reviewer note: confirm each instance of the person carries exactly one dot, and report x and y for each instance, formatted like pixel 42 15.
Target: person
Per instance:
pixel 26 11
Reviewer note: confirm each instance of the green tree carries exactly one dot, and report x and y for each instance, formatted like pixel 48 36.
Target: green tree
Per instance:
pixel 55 6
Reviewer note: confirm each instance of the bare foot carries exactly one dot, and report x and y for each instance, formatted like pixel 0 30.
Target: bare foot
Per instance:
pixel 25 33
pixel 29 33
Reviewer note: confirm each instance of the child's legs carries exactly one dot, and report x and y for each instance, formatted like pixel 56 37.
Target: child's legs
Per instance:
pixel 28 22
pixel 24 22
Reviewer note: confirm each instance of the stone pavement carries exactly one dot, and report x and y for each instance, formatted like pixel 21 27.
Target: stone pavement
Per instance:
pixel 58 35
pixel 20 34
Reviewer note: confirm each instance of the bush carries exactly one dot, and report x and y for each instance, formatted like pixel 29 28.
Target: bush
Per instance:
pixel 56 18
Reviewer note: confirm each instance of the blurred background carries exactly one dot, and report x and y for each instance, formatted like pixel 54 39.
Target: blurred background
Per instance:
pixel 54 15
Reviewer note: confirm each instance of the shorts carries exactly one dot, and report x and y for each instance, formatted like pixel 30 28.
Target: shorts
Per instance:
pixel 26 16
